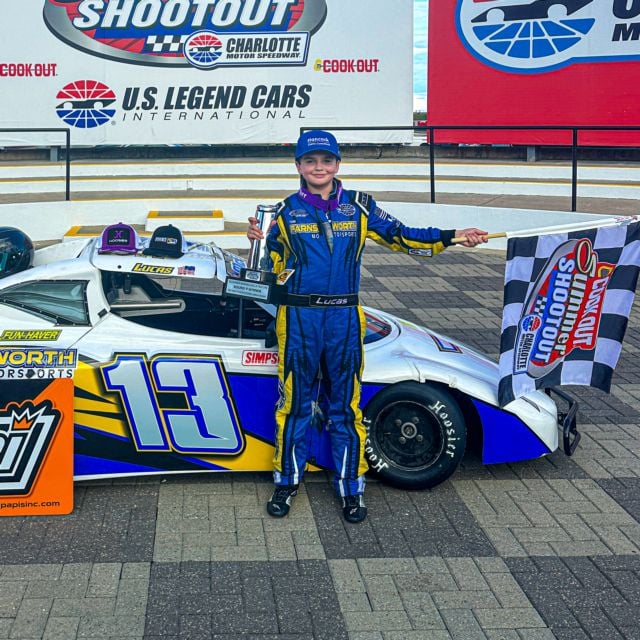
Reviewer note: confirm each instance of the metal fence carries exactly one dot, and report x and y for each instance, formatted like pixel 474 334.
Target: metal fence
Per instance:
pixel 67 133
pixel 430 140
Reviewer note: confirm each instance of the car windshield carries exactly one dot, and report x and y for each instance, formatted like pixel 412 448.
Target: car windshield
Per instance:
pixel 377 328
pixel 61 301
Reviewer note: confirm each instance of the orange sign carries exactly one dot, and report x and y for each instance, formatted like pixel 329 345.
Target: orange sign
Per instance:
pixel 36 448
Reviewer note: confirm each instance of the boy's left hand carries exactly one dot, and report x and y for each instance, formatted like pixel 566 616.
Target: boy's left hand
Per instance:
pixel 473 235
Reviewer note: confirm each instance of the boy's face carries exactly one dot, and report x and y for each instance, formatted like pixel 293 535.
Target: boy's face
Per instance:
pixel 318 169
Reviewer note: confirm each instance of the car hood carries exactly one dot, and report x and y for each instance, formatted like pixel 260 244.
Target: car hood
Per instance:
pixel 436 357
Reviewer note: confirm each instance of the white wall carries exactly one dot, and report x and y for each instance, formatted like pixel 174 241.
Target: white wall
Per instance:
pixel 51 220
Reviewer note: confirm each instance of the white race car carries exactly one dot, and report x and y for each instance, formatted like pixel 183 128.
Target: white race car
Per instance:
pixel 171 376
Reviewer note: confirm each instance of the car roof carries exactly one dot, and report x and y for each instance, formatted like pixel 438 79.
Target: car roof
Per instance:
pixel 198 261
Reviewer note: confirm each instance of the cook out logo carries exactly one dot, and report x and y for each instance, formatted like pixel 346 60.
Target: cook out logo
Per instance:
pixel 564 309
pixel 533 36
pixel 347 65
pixel 181 33
pixel 85 104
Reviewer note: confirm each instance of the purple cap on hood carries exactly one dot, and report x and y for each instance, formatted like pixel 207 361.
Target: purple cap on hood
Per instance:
pixel 119 238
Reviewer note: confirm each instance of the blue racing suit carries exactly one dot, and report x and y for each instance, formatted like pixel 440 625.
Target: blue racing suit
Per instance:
pixel 321 320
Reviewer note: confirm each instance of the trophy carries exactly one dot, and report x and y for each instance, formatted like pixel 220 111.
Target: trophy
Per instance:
pixel 257 281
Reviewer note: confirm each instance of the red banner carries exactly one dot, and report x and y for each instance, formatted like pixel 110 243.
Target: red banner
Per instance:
pixel 568 63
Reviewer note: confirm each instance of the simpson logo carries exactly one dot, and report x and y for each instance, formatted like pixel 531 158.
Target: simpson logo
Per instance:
pixel 534 36
pixel 85 104
pixel 30 335
pixel 151 268
pixel 564 309
pixel 259 358
pixel 26 364
pixel 25 433
pixel 182 33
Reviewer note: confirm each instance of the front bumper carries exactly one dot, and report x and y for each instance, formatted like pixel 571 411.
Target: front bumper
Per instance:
pixel 567 420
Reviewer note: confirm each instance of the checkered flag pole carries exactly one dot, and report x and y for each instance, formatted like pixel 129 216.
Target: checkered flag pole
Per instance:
pixel 558 228
pixel 567 300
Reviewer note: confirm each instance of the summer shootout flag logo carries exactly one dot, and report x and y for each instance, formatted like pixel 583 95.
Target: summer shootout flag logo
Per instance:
pixel 564 309
pixel 182 33
pixel 567 301
pixel 533 36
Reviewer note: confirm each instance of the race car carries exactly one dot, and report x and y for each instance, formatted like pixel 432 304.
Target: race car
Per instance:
pixel 172 376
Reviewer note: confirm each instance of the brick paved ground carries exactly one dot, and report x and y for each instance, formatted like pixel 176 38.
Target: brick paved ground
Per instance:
pixel 531 551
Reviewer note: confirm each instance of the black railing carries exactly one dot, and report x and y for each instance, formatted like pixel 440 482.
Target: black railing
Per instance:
pixel 430 130
pixel 67 133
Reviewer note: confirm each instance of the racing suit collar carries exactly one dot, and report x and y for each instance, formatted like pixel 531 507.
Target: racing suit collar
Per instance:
pixel 318 202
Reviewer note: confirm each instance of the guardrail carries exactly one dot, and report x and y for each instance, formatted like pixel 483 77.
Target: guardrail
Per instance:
pixel 67 133
pixel 430 140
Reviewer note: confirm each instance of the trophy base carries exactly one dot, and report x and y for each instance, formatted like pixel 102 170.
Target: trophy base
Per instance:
pixel 254 284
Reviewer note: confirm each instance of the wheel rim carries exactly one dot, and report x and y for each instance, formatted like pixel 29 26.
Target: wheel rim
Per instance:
pixel 408 435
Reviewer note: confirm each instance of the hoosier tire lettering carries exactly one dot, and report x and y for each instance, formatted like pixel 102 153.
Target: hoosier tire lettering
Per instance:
pixel 416 435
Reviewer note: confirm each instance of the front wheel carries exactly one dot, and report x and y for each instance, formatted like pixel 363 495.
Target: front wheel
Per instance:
pixel 416 435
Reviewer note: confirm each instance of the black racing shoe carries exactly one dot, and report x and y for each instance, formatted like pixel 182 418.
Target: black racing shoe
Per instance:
pixel 353 508
pixel 280 501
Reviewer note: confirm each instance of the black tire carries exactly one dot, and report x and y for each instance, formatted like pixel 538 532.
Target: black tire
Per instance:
pixel 416 435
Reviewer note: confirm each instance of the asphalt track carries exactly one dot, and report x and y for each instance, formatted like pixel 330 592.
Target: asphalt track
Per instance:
pixel 530 551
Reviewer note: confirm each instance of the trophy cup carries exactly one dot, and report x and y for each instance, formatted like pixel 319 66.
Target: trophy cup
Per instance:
pixel 257 281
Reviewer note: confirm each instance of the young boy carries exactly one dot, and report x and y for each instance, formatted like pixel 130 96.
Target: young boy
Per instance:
pixel 320 233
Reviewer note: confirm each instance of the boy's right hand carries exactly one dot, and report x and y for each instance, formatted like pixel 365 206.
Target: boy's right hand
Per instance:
pixel 253 231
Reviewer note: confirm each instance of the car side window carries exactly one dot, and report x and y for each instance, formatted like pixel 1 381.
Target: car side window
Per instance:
pixel 61 301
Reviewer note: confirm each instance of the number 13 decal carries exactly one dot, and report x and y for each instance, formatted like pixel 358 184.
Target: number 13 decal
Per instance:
pixel 206 420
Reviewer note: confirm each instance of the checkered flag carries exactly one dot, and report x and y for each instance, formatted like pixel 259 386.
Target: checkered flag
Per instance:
pixel 567 300
pixel 164 44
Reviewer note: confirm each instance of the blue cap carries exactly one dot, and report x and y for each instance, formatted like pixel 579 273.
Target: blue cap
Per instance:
pixel 317 140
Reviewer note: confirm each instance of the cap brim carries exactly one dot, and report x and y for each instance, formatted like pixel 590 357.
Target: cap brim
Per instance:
pixel 162 253
pixel 321 149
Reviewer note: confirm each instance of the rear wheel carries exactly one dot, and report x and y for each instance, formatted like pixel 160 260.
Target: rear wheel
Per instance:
pixel 416 435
